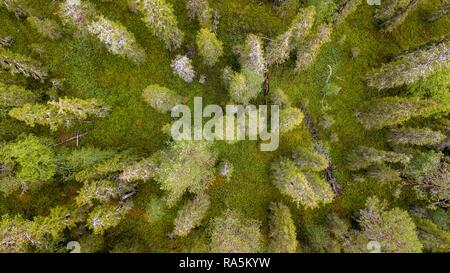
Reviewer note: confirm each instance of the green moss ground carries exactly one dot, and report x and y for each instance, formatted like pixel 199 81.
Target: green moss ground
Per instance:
pixel 89 71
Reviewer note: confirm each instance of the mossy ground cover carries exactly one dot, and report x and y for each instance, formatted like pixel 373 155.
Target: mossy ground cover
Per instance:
pixel 89 71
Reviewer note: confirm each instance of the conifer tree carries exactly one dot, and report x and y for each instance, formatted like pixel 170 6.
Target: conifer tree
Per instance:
pixel 363 157
pixel 429 173
pixel 18 64
pixel 117 39
pixel 388 8
pixel 410 67
pixel 142 170
pixel 439 14
pixel 308 160
pixel 29 160
pixel 161 98
pixel 62 113
pixel 15 235
pixel 15 96
pixel 307 54
pixel 382 173
pixel 245 86
pixel 18 7
pixel 388 111
pixel 160 18
pixel 346 8
pixel 393 229
pixel 392 23
pixel 278 97
pixel 282 231
pixel 210 48
pixel 415 136
pixel 185 166
pixel 199 9
pixel 107 216
pixel 290 118
pixel 305 189
pixel 253 55
pixel 183 68
pixel 278 50
pixel 46 27
pixel 76 13
pixel 191 215
pixel 231 233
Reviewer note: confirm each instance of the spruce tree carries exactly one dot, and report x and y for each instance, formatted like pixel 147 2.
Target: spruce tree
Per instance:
pixel 429 173
pixel 15 96
pixel 346 8
pixel 19 64
pixel 392 23
pixel 160 18
pixel 253 55
pixel 282 231
pixel 231 233
pixel 290 118
pixel 183 68
pixel 439 14
pixel 76 13
pixel 107 216
pixel 278 50
pixel 410 67
pixel 30 160
pixel 308 160
pixel 363 157
pixel 278 97
pixel 185 166
pixel 46 27
pixel 382 173
pixel 388 111
pixel 191 215
pixel 161 98
pixel 307 54
pixel 393 229
pixel 62 113
pixel 199 9
pixel 306 189
pixel 209 47
pixel 415 136
pixel 117 39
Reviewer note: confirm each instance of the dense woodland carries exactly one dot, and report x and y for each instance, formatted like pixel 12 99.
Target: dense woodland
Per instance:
pixel 86 89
